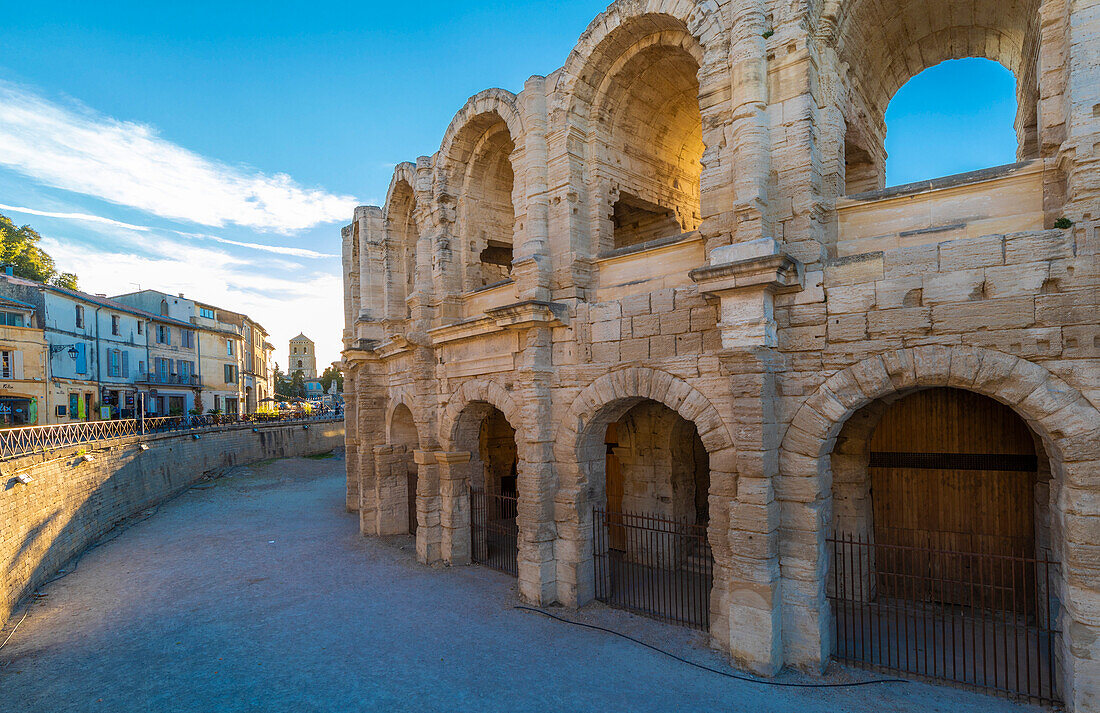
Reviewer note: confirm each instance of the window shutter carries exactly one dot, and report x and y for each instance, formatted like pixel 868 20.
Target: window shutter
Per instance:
pixel 17 365
pixel 125 364
pixel 81 358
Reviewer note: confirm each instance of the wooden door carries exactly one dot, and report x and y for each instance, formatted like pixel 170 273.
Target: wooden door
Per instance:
pixel 952 476
pixel 614 491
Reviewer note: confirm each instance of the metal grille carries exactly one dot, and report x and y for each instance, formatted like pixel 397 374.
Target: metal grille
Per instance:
pixel 654 566
pixel 978 619
pixel 493 532
pixel 37 439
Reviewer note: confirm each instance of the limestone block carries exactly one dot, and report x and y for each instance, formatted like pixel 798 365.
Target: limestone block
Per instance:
pixel 847 328
pixel 1016 280
pixel 609 331
pixel 605 352
pixel 984 314
pixel 1078 307
pixel 645 325
pixel 855 270
pixel 634 349
pixel 971 253
pixel 916 261
pixel 899 292
pixel 850 297
pixel 1041 245
pixel 677 321
pixel 956 286
pixel 663 346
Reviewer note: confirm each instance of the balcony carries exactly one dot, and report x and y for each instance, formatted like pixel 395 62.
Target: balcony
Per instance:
pixel 155 379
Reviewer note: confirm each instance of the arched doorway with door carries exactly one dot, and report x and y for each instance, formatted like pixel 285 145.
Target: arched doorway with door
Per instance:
pixel 942 560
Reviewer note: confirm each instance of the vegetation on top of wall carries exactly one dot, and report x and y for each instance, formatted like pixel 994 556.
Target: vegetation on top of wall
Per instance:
pixel 19 248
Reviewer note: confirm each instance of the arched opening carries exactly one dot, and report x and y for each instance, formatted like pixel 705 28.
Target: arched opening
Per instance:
pixel 650 483
pixel 491 478
pixel 884 44
pixel 942 563
pixel 486 216
pixel 965 108
pixel 402 236
pixel 648 134
pixel 404 439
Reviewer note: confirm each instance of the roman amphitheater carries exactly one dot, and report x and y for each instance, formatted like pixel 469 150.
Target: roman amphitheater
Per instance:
pixel 653 332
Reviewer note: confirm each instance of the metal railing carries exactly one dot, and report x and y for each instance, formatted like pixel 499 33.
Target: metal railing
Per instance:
pixel 26 440
pixel 980 619
pixel 152 377
pixel 654 566
pixel 494 536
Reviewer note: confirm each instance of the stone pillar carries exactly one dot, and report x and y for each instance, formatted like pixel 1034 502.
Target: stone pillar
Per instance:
pixel 536 481
pixel 751 159
pixel 372 272
pixel 351 437
pixel 370 419
pixel 429 530
pixel 531 264
pixel 454 502
pixel 753 605
pixel 391 490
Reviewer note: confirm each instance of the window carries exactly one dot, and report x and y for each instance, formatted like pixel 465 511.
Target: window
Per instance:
pixel 8 361
pixel 164 308
pixel 114 363
pixel 164 334
pixel 11 319
pixel 230 373
pixel 141 366
pixel 187 339
pixel 206 312
pixel 229 347
pixel 80 316
pixel 116 324
pixel 74 405
pixel 141 327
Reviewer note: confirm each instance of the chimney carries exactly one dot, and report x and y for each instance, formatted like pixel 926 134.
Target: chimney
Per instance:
pixel 101 294
pixel 181 295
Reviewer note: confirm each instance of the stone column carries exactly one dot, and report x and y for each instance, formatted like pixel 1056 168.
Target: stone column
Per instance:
pixel 454 510
pixel 429 530
pixel 351 437
pixel 531 263
pixel 753 607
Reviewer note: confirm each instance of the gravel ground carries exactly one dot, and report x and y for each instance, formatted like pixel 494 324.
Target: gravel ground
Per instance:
pixel 257 594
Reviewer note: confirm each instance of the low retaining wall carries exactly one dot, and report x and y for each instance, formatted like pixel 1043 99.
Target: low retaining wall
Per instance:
pixel 70 501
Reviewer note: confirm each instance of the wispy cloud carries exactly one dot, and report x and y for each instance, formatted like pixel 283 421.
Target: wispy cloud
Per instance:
pixel 90 218
pixel 129 164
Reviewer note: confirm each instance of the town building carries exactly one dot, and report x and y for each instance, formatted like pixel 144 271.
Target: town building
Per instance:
pixel 170 376
pixel 302 356
pixel 23 352
pixel 220 346
pixel 259 386
pixel 657 315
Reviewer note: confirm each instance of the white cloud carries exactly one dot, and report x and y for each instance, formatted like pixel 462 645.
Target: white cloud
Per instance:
pixel 283 305
pixel 88 217
pixel 129 164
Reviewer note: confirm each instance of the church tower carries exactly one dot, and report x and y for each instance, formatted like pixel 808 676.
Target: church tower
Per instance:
pixel 302 357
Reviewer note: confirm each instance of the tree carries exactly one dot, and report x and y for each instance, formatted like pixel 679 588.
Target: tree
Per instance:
pixel 329 375
pixel 282 384
pixel 297 384
pixel 19 247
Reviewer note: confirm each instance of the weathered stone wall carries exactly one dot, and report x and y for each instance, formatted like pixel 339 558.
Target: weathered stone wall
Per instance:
pixel 70 503
pixel 798 295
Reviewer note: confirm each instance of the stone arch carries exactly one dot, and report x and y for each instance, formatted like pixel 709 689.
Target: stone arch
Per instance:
pixel 483 390
pixel 456 146
pixel 579 445
pixel 399 397
pixel 882 45
pixel 401 222
pixel 1066 422
pixel 479 174
pixel 636 89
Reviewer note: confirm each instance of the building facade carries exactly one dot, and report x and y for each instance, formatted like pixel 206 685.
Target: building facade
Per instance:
pixel 220 345
pixel 667 279
pixel 23 354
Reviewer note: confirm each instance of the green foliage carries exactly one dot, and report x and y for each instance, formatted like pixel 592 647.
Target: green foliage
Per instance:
pixel 1063 223
pixel 19 246
pixel 767 33
pixel 329 375
pixel 297 386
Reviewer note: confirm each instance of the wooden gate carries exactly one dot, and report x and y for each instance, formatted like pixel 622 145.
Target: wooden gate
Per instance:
pixel 951 471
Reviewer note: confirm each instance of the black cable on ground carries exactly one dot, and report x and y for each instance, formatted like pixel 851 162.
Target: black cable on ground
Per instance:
pixel 727 674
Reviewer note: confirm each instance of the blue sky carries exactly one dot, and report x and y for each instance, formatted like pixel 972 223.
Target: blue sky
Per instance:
pixel 172 128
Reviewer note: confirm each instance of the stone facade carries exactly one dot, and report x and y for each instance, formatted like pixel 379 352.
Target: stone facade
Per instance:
pixel 688 217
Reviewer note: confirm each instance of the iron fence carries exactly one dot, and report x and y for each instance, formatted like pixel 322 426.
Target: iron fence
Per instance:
pixel 976 618
pixel 659 567
pixel 26 440
pixel 493 531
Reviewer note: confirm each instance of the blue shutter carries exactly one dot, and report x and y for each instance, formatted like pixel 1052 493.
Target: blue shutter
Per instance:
pixel 125 365
pixel 81 359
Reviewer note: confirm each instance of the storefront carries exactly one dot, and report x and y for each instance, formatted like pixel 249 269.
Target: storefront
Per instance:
pixel 18 411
